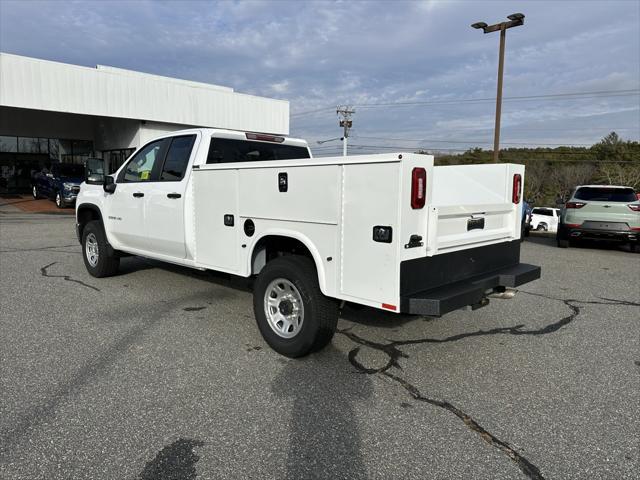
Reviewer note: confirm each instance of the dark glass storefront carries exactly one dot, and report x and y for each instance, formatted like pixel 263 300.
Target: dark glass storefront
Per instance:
pixel 21 157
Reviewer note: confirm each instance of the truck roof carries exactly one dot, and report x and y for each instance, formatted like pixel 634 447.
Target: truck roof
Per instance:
pixel 242 135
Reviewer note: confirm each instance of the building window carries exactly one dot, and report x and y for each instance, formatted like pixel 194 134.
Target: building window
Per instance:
pixel 8 144
pixel 21 157
pixel 28 145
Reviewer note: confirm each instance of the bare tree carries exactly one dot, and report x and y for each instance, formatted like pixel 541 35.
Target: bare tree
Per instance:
pixel 627 175
pixel 565 177
pixel 535 180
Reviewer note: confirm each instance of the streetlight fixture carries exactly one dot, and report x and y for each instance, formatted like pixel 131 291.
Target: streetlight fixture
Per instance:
pixel 515 20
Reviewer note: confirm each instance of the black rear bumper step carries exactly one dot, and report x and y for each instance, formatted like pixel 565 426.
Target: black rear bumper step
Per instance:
pixel 447 298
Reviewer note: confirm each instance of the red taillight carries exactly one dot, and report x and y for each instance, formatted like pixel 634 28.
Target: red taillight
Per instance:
pixel 635 208
pixel 517 188
pixel 418 187
pixel 388 306
pixel 264 138
pixel 572 225
pixel 575 204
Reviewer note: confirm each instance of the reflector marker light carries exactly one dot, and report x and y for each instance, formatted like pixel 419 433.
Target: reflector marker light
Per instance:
pixel 517 188
pixel 264 137
pixel 418 187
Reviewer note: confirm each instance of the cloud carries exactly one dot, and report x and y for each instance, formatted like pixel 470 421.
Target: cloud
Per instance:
pixel 321 54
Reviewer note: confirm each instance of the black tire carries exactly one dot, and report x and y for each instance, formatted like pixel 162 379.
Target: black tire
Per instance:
pixel 320 312
pixel 108 261
pixel 541 227
pixel 562 237
pixel 34 192
pixel 59 200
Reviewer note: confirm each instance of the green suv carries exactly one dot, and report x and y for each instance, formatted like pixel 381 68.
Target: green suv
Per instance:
pixel 601 212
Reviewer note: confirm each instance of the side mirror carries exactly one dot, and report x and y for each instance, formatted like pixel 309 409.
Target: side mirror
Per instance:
pixel 109 184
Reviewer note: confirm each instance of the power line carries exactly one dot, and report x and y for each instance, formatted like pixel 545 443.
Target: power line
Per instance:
pixel 566 96
pixel 476 142
pixel 528 151
pixel 577 95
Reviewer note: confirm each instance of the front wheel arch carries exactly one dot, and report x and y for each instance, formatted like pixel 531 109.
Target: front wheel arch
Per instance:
pixel 85 213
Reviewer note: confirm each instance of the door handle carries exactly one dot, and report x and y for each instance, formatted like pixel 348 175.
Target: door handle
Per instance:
pixel 138 194
pixel 173 195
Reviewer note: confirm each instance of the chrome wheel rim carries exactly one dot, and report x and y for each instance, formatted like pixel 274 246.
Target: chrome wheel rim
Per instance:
pixel 58 199
pixel 283 308
pixel 91 250
pixel 35 192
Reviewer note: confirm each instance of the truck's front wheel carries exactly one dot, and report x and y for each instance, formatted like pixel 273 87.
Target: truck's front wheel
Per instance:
pixel 293 315
pixel 99 257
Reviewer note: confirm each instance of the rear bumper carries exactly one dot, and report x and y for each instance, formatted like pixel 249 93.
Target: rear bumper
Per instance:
pixel 443 283
pixel 616 234
pixel 445 299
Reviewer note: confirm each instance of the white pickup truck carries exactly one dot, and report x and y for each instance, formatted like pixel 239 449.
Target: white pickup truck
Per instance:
pixel 390 231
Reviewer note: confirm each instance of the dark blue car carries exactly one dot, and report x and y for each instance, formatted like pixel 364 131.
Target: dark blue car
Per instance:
pixel 60 183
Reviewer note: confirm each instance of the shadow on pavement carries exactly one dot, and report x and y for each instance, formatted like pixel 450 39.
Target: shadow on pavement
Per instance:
pixel 324 440
pixel 377 318
pixel 174 462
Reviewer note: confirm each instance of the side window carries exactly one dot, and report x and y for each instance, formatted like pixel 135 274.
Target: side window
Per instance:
pixel 144 164
pixel 227 150
pixel 177 158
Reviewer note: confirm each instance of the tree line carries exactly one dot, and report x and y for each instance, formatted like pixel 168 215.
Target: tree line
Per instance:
pixel 551 173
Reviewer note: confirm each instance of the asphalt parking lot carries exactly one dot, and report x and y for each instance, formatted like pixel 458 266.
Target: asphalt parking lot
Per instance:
pixel 160 372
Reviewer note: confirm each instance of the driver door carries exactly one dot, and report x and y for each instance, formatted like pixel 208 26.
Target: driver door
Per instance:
pixel 126 206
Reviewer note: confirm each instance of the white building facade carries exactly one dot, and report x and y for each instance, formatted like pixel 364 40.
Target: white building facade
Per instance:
pixel 56 112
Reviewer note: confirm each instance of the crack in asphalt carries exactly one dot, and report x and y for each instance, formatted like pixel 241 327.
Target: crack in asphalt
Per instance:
pixel 394 353
pixel 528 468
pixel 44 272
pixel 37 249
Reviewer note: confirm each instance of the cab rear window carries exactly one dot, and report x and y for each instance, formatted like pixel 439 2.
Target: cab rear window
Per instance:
pixel 227 150
pixel 605 194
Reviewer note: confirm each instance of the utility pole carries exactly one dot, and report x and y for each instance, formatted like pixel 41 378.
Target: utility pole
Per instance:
pixel 516 19
pixel 344 113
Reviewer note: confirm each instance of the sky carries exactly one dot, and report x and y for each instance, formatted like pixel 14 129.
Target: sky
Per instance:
pixel 420 59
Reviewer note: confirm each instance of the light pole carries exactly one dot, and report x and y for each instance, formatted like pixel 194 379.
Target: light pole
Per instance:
pixel 515 20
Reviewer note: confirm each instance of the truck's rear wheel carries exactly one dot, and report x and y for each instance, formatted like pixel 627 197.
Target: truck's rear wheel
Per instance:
pixel 293 315
pixel 99 258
